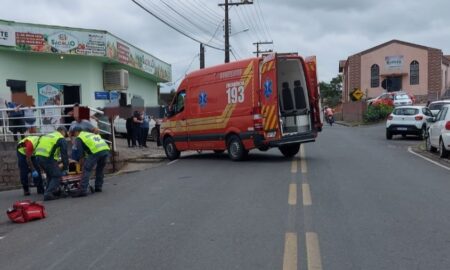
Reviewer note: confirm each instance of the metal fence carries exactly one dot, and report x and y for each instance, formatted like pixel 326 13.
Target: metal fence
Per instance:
pixel 25 121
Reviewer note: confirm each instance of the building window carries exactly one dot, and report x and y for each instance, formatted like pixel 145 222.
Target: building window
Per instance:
pixel 374 76
pixel 414 73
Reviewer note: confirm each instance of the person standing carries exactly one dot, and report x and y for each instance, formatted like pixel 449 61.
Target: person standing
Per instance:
pixel 137 121
pixel 92 151
pixel 144 129
pixel 48 151
pixel 129 127
pixel 27 163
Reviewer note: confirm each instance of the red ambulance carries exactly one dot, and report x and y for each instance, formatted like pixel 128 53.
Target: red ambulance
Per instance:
pixel 264 102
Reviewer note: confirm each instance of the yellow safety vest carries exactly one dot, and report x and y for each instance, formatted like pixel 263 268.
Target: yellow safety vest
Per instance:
pixel 20 146
pixel 93 142
pixel 46 144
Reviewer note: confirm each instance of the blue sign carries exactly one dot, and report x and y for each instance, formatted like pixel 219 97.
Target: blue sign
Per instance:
pixel 114 95
pixel 103 95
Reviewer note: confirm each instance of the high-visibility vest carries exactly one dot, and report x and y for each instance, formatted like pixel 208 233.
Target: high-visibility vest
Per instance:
pixel 47 143
pixel 93 142
pixel 21 147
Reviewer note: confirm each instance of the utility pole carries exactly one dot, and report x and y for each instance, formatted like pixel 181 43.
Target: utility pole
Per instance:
pixel 227 30
pixel 261 43
pixel 202 56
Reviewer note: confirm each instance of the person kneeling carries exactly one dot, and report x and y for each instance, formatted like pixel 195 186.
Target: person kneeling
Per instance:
pixel 90 149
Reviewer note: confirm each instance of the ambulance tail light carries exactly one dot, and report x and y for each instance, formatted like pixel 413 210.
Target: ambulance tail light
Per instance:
pixel 258 122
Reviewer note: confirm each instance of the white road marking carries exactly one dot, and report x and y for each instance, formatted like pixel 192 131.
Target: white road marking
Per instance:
pixel 428 159
pixel 172 162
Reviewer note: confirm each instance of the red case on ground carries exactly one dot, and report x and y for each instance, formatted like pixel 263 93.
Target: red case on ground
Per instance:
pixel 24 211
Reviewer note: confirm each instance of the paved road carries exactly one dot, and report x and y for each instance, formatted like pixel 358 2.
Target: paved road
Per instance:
pixel 352 200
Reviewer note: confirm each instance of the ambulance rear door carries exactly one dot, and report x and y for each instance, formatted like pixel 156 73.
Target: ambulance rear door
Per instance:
pixel 269 97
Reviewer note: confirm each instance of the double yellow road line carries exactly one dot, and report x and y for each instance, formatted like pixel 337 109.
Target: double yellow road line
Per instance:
pixel 291 250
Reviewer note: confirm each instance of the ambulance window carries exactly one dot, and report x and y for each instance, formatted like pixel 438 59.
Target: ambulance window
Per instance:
pixel 180 101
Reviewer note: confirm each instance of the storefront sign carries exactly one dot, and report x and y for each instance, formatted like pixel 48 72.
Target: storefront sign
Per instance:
pixel 394 62
pixel 63 41
pixel 7 36
pixel 59 40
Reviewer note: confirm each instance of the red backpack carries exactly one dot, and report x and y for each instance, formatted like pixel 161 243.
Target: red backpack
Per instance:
pixel 24 211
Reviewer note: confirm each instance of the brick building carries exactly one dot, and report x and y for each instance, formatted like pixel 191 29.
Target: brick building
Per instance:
pixel 397 65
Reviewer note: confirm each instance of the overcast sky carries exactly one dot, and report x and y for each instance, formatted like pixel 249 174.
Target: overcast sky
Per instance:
pixel 330 29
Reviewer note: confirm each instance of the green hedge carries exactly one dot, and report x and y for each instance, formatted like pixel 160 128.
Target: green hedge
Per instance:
pixel 377 112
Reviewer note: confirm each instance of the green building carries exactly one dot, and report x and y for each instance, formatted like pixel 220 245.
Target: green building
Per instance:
pixel 60 65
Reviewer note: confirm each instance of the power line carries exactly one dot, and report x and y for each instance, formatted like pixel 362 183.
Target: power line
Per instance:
pixel 173 27
pixel 264 21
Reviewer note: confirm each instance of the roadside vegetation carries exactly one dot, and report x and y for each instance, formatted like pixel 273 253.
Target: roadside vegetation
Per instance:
pixel 377 113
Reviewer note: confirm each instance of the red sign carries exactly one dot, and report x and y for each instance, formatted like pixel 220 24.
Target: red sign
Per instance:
pixel 123 53
pixel 29 38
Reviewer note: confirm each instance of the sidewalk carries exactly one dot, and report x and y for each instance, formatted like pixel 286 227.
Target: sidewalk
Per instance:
pixel 137 159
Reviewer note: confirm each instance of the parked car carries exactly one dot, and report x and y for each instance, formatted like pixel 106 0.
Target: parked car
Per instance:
pixel 408 120
pixel 438 135
pixel 402 99
pixel 436 106
pixel 120 128
pixel 398 98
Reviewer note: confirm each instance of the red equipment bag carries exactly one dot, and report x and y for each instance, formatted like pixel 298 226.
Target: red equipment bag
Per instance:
pixel 24 211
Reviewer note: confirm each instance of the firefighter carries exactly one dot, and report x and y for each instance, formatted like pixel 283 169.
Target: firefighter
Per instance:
pixel 27 163
pixel 48 151
pixel 91 150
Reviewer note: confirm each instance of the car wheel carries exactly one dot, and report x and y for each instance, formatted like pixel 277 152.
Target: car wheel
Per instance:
pixel 290 150
pixel 388 135
pixel 443 153
pixel 423 133
pixel 236 150
pixel 170 148
pixel 428 145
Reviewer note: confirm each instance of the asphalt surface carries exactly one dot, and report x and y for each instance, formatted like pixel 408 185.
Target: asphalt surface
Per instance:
pixel 352 200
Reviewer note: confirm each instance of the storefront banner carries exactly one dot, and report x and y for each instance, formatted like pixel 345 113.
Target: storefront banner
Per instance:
pixel 39 39
pixel 394 62
pixel 61 40
pixel 50 94
pixel 131 56
pixel 7 36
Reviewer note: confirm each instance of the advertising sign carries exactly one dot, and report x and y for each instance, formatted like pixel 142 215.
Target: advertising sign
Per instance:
pixel 61 40
pixel 50 94
pixel 394 62
pixel 7 36
pixel 39 39
pixel 120 51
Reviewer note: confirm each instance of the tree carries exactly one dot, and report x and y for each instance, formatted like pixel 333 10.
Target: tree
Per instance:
pixel 331 92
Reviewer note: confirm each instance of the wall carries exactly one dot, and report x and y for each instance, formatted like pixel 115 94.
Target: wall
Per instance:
pixel 353 111
pixel 409 53
pixel 9 173
pixel 144 88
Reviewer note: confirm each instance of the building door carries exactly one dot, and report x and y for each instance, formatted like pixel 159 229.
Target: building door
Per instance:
pixel 394 83
pixel 71 95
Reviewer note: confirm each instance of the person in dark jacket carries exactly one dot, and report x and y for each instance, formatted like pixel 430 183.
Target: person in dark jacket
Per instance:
pixel 129 126
pixel 137 121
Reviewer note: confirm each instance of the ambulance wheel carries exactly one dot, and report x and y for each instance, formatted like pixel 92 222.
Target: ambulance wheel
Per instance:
pixel 290 150
pixel 171 150
pixel 236 150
